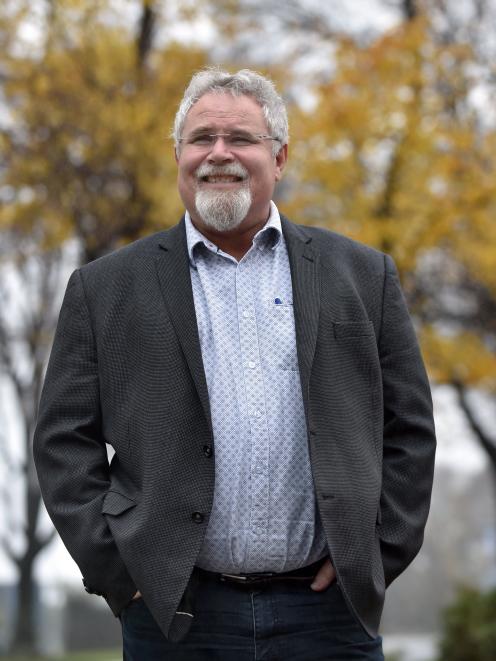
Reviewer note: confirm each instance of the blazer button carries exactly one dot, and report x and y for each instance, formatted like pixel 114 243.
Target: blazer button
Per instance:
pixel 197 517
pixel 207 450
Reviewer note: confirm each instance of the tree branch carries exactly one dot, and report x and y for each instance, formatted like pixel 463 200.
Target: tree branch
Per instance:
pixel 487 444
pixel 5 543
pixel 409 9
pixel 146 31
pixel 48 539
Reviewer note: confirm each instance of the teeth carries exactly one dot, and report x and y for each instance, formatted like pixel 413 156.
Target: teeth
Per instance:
pixel 220 179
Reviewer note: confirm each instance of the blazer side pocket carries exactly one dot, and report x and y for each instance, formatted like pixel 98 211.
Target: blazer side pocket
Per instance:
pixel 116 503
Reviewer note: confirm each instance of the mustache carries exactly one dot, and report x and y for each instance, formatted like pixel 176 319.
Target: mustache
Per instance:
pixel 231 169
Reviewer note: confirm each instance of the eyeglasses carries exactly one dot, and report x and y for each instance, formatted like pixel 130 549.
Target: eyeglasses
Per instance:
pixel 232 140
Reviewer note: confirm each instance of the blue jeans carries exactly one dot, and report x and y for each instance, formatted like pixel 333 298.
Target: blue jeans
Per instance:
pixel 280 622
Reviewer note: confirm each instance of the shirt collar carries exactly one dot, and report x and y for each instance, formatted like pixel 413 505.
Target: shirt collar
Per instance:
pixel 270 234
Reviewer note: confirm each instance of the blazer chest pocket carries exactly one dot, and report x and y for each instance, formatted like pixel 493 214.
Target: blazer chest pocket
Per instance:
pixel 352 329
pixel 116 503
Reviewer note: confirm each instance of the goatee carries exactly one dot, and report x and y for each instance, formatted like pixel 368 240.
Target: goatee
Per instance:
pixel 223 210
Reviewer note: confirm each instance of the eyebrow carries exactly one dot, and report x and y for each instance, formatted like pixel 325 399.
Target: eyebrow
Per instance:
pixel 209 129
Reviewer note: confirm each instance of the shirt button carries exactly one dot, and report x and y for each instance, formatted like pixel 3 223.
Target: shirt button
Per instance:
pixel 252 364
pixel 258 414
pixel 197 517
pixel 207 450
pixel 246 314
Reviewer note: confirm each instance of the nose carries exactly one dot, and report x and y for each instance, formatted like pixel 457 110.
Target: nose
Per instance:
pixel 220 152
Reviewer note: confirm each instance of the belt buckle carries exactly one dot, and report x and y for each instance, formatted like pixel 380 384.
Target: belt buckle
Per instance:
pixel 245 579
pixel 235 578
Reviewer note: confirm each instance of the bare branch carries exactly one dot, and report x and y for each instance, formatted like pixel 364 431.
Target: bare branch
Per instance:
pixel 409 9
pixel 487 444
pixel 146 31
pixel 5 457
pixel 48 539
pixel 10 552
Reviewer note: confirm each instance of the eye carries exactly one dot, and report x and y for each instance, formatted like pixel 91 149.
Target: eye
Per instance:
pixel 241 140
pixel 201 139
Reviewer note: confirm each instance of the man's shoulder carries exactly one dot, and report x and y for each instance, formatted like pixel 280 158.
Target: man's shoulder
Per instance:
pixel 334 247
pixel 133 255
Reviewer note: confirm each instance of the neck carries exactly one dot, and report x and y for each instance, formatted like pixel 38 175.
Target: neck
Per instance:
pixel 235 242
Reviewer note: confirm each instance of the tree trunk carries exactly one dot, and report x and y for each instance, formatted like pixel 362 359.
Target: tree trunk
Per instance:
pixel 25 639
pixel 145 33
pixel 26 630
pixel 409 9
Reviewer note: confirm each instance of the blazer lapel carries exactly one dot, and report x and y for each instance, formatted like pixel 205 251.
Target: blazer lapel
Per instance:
pixel 305 276
pixel 175 282
pixel 173 272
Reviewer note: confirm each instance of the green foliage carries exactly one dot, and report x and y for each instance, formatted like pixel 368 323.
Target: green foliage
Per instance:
pixel 469 627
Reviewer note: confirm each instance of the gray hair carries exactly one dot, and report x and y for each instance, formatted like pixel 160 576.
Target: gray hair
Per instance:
pixel 261 89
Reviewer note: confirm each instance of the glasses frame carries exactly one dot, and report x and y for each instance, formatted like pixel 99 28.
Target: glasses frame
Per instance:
pixel 258 138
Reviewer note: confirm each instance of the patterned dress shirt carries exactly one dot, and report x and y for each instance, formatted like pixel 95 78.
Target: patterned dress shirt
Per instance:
pixel 264 516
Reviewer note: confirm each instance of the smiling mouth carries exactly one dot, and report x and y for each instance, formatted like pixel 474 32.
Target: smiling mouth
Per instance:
pixel 221 179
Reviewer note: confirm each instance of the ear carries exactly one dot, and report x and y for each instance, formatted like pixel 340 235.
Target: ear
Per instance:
pixel 176 155
pixel 281 158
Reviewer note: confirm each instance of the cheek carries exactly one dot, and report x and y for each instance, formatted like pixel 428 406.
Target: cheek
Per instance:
pixel 262 177
pixel 188 167
pixel 186 184
pixel 186 180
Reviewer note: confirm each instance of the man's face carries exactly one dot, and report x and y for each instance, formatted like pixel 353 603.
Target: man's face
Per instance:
pixel 237 182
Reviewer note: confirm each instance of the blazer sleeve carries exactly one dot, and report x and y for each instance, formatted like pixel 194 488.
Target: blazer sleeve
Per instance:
pixel 409 437
pixel 70 452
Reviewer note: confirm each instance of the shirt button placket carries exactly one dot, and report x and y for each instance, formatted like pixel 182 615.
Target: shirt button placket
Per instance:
pixel 253 376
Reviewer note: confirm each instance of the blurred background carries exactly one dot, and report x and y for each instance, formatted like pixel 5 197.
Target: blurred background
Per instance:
pixel 393 142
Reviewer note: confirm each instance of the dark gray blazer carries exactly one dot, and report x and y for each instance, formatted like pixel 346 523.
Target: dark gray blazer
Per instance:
pixel 126 369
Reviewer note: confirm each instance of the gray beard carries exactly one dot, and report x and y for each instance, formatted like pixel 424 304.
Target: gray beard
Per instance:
pixel 223 210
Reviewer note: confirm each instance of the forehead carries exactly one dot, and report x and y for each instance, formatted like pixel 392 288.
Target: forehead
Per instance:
pixel 224 109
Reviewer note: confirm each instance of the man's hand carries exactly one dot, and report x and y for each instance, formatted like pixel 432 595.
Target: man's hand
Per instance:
pixel 324 577
pixel 137 596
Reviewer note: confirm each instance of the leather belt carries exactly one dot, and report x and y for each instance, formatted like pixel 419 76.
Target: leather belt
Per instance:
pixel 302 575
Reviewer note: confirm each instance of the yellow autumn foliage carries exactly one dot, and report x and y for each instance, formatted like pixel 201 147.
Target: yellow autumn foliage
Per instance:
pixel 393 155
pixel 87 147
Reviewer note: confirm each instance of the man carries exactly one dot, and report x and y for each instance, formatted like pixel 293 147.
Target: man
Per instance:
pixel 262 388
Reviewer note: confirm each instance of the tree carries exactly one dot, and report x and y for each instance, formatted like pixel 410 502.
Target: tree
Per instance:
pixel 303 32
pixel 396 155
pixel 86 165
pixel 29 308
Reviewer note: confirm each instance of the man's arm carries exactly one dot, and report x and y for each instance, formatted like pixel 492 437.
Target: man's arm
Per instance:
pixel 70 452
pixel 409 436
